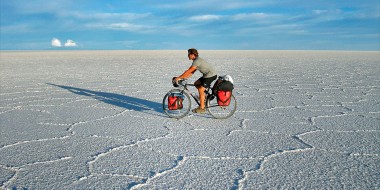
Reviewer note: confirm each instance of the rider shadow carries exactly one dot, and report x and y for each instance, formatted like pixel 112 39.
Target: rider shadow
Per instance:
pixel 127 102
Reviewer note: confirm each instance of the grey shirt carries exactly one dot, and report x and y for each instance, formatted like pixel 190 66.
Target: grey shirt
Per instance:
pixel 204 67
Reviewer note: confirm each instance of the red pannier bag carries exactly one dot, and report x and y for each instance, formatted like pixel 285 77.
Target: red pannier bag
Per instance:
pixel 224 97
pixel 223 91
pixel 175 102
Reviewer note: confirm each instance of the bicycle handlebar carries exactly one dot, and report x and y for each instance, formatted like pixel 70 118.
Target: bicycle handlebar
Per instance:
pixel 182 82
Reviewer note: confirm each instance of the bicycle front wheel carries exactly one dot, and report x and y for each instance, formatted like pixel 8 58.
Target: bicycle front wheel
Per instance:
pixel 177 111
pixel 221 112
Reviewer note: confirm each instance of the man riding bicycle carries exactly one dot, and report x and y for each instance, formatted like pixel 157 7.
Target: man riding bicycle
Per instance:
pixel 209 75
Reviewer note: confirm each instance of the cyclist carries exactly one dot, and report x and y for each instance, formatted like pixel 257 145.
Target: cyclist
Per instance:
pixel 209 75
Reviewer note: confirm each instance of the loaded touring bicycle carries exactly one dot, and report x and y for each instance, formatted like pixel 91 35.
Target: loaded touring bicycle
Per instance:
pixel 220 101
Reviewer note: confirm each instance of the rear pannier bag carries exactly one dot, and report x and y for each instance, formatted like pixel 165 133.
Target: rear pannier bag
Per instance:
pixel 224 97
pixel 175 101
pixel 223 91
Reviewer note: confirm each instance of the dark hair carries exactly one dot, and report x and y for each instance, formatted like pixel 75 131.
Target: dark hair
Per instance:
pixel 193 51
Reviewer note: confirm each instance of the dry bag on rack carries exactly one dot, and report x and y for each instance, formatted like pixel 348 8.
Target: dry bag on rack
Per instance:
pixel 175 101
pixel 223 91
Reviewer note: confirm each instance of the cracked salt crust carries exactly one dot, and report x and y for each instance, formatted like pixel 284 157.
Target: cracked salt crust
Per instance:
pixel 93 119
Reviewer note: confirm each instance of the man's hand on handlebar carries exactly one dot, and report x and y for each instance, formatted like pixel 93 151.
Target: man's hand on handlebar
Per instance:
pixel 175 80
pixel 178 81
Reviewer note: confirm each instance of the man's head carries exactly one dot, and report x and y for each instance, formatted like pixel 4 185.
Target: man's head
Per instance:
pixel 192 53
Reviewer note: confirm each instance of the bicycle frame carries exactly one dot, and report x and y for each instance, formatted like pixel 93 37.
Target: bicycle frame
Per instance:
pixel 191 94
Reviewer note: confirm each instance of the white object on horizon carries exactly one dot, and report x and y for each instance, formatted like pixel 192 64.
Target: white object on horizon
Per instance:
pixel 70 43
pixel 56 42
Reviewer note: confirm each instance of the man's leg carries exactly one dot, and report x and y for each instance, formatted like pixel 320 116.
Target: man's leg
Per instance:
pixel 201 91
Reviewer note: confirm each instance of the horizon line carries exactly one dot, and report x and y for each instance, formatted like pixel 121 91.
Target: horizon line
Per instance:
pixel 347 50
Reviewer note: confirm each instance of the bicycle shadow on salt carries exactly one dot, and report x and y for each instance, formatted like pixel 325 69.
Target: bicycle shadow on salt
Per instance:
pixel 123 101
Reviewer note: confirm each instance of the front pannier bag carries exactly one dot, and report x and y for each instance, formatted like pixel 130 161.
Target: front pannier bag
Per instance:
pixel 175 101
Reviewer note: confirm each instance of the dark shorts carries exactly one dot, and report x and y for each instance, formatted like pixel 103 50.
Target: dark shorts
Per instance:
pixel 206 82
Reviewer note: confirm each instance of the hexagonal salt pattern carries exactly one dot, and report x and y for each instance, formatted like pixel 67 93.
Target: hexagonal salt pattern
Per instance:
pixel 94 120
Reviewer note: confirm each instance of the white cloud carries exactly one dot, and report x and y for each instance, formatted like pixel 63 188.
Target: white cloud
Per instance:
pixel 110 16
pixel 205 18
pixel 318 12
pixel 124 27
pixel 251 16
pixel 70 43
pixel 56 42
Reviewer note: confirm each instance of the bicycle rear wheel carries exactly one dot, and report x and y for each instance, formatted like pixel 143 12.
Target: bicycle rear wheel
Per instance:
pixel 220 112
pixel 178 112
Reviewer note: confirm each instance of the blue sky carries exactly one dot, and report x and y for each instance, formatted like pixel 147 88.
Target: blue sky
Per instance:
pixel 174 24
